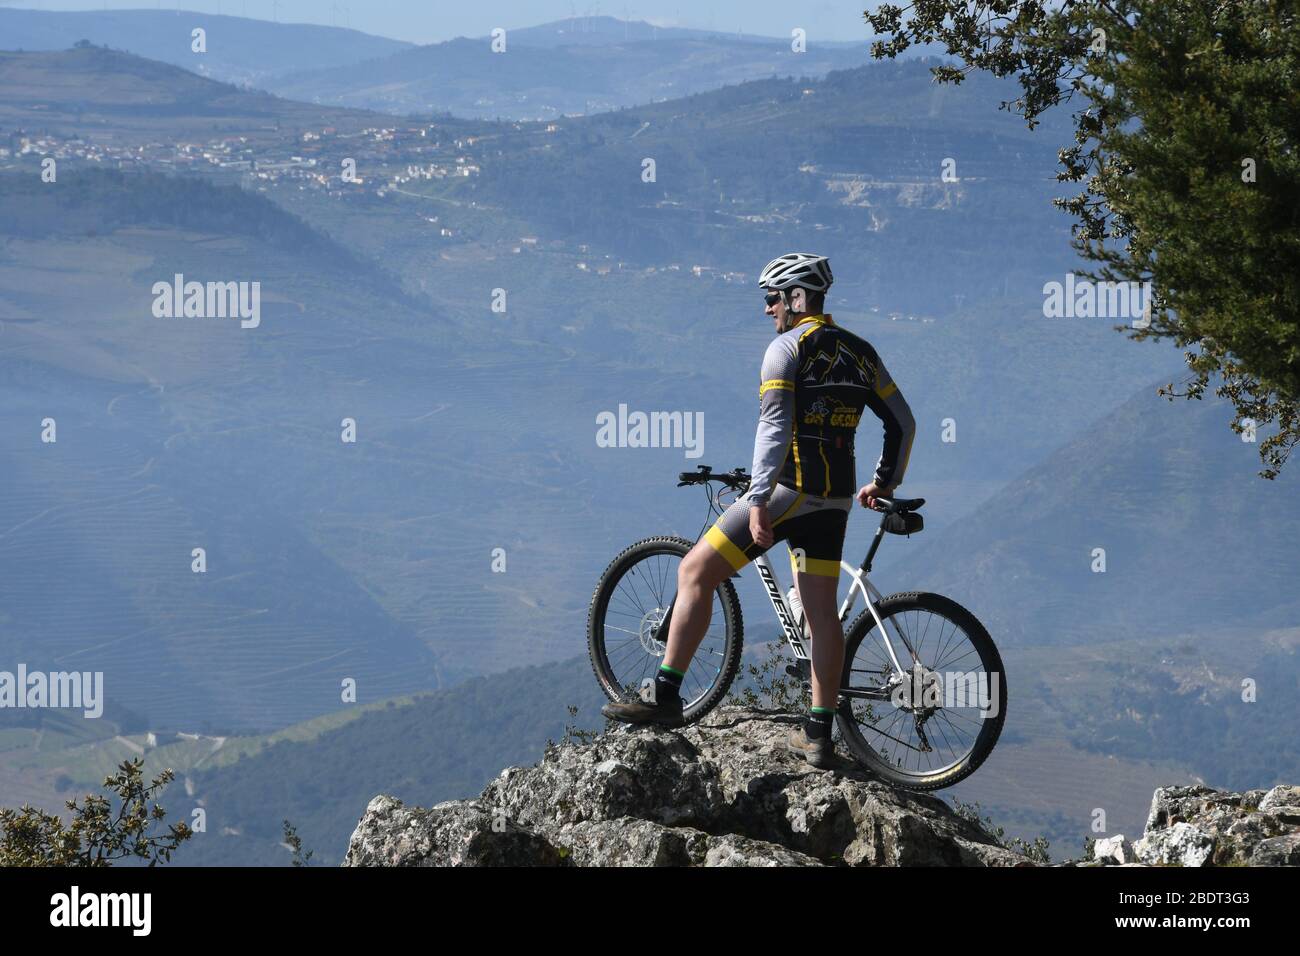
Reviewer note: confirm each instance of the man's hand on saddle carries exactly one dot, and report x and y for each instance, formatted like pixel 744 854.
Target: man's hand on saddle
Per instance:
pixel 868 494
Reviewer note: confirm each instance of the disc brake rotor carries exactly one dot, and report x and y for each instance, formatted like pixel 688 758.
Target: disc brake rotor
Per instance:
pixel 649 627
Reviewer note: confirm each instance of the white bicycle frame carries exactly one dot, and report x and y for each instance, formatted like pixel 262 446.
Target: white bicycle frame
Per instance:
pixel 794 632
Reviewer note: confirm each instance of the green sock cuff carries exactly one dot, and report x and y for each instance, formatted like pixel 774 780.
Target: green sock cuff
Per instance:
pixel 823 710
pixel 665 667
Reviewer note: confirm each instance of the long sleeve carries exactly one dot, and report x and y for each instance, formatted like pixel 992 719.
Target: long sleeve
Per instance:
pixel 775 418
pixel 887 402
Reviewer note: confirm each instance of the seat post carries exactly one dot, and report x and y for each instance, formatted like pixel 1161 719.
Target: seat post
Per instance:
pixel 875 544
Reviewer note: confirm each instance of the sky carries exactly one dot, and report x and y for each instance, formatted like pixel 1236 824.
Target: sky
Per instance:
pixel 430 21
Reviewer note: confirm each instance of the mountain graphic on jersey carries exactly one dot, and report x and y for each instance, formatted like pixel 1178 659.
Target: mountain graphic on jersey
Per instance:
pixel 842 367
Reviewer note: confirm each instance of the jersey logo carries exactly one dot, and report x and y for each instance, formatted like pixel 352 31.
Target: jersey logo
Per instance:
pixel 840 367
pixel 828 410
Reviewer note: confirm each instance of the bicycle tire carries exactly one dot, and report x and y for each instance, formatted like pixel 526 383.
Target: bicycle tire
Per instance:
pixel 609 581
pixel 991 727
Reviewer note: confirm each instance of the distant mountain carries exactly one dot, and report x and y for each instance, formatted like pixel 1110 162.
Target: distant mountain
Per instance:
pixel 90 90
pixel 584 65
pixel 611 31
pixel 239 50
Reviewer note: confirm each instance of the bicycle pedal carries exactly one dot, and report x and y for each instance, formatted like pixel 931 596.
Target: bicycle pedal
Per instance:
pixel 800 671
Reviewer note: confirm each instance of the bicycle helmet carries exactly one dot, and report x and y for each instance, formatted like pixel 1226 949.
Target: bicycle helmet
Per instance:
pixel 797 270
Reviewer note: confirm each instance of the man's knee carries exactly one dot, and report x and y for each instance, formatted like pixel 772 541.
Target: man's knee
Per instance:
pixel 703 566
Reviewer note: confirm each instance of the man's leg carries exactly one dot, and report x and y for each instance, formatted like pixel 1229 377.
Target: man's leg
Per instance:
pixel 698 576
pixel 817 594
pixel 820 538
pixel 711 561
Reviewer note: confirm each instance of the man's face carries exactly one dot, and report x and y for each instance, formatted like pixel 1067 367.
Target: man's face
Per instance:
pixel 781 316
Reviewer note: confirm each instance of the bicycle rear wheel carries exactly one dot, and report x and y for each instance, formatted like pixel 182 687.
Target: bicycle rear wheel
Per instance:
pixel 627 607
pixel 939 724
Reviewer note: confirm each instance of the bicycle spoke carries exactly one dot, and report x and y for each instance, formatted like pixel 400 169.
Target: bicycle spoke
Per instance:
pixel 610 627
pixel 939 657
pixel 950 663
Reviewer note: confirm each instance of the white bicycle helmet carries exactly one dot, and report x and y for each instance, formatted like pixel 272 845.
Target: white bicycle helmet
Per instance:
pixel 797 270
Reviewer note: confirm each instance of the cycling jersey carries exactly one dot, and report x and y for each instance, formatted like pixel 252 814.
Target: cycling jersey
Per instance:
pixel 816 379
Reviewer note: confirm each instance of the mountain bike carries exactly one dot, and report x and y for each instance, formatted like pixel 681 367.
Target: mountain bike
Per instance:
pixel 923 694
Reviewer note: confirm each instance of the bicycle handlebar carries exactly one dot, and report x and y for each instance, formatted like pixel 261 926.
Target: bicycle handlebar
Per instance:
pixel 739 479
pixel 736 478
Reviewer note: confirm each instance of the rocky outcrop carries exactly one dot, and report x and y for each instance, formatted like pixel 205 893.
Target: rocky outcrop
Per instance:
pixel 723 792
pixel 1201 826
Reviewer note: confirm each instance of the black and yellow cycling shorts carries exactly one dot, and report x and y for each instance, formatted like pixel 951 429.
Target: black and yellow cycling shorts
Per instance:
pixel 813 527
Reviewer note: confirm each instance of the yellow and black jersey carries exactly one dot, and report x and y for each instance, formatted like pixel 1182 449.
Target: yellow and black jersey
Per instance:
pixel 816 380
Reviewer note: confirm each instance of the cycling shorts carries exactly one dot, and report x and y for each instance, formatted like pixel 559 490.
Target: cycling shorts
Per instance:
pixel 813 527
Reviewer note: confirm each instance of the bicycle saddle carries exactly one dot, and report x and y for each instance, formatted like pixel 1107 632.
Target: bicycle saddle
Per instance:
pixel 898 505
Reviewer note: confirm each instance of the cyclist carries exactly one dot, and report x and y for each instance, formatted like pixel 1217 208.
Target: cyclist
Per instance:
pixel 816 379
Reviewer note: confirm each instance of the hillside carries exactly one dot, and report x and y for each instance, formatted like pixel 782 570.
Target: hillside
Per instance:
pixel 654 277
pixel 612 31
pixel 94 91
pixel 853 164
pixel 326 560
pixel 1192 538
pixel 171 436
pixel 1087 727
pixel 437 747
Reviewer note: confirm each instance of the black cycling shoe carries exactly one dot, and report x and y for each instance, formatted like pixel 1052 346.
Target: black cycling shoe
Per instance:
pixel 668 714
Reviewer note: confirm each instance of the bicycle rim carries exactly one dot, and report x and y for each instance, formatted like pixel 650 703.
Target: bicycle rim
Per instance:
pixel 942 722
pixel 627 607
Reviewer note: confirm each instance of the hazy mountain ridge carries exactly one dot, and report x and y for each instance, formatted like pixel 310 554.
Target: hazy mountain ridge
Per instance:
pixel 567 66
pixel 238 49
pixel 540 76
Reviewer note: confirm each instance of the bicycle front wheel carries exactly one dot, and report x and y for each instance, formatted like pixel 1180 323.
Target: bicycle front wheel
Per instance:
pixel 630 602
pixel 935 722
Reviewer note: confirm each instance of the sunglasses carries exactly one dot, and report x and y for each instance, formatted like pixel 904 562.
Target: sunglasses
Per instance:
pixel 772 298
